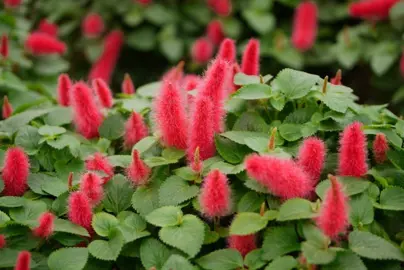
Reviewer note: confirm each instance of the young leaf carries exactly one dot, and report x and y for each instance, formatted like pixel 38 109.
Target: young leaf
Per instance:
pixel 247 223
pixel 296 208
pixel 165 216
pixel 68 259
pixel 223 259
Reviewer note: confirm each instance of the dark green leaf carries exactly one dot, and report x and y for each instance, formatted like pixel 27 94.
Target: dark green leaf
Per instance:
pixel 224 259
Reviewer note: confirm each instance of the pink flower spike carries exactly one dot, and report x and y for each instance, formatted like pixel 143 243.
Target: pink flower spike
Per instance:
pixel 227 50
pixel 135 130
pixel 12 3
pixel 174 74
pixel 92 25
pixel 91 186
pixel 63 90
pixel 251 56
pixel 144 2
pixel 170 114
pixel 48 28
pixel 282 177
pixel 337 79
pixel 202 50
pixel 46 226
pixel 333 217
pixel 214 32
pixel 215 196
pixel 190 82
pixel 79 210
pixel 127 85
pixel 23 261
pixel 353 151
pixel 103 92
pixel 311 158
pixel 3 241
pixel 138 172
pixel 305 26
pixel 87 116
pixel 221 7
pixel 39 43
pixel 242 243
pixel 7 109
pixel 98 162
pixel 15 172
pixel 4 49
pixel 380 148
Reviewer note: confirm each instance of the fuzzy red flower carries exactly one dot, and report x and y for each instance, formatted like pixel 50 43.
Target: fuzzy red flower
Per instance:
pixel 12 3
pixel 23 261
pixel 337 80
pixel 104 94
pixel 171 118
pixel 213 87
pixel 227 50
pixel 135 130
pixel 3 241
pixel 220 7
pixel 190 82
pixel 7 109
pixel 138 172
pixel 235 69
pixel 282 177
pixel 39 43
pixel 333 217
pixel 4 50
pixel 372 9
pixel 174 74
pixel 201 130
pixel 48 28
pixel 63 89
pixel 305 26
pixel 250 62
pixel 214 32
pixel 91 186
pixel 215 197
pixel 105 64
pixel 127 85
pixel 79 210
pixel 353 151
pixel 311 158
pixel 202 50
pixel 98 162
pixel 46 226
pixel 242 243
pixel 380 147
pixel 92 25
pixel 144 2
pixel 87 116
pixel 15 172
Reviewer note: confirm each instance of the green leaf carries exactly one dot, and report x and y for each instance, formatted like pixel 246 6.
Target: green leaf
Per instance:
pixel 396 15
pixel 159 14
pixel 118 194
pixel 250 202
pixel 173 153
pixel 145 144
pixel 143 39
pixel 294 84
pixel 174 191
pixel 120 160
pixel 153 253
pixel 291 132
pixel 158 161
pixel 338 98
pixel 314 235
pixel 346 260
pixel 62 225
pixel 172 48
pixel 260 20
pixel 361 210
pixel 134 16
pixel 392 198
pixel 29 213
pixel 51 130
pixel 316 254
pixel 371 246
pixel 282 263
pixel 3 218
pixel 177 262
pixel 8 257
pixel 231 152
pixel 104 224
pixel 165 216
pixel 68 259
pixel 279 241
pixel 253 91
pixel 188 236
pixel 146 199
pixel 132 226
pixel 243 79
pixel 28 138
pixel 351 186
pixel 384 56
pixel 253 259
pixel 223 259
pixel 64 140
pixel 112 127
pixel 241 137
pixel 247 223
pixel 107 250
pixel 11 202
pixel 149 90
pixel 296 208
pixel 60 116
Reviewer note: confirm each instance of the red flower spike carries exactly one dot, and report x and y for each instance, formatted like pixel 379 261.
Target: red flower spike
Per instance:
pixel 135 130
pixel 104 94
pixel 92 25
pixel 3 241
pixel 7 109
pixel 337 79
pixel 91 186
pixel 171 118
pixel 282 177
pixel 311 158
pixel 105 64
pixel 138 172
pixel 220 7
pixel 216 78
pixel 15 172
pixel 23 261
pixel 145 2
pixel 305 26
pixel 250 61
pixel 214 32
pixel 380 148
pixel 98 162
pixel 333 217
pixel 353 151
pixel 87 116
pixel 190 82
pixel 4 46
pixel 79 210
pixel 242 243
pixel 42 44
pixel 227 50
pixel 215 196
pixel 372 9
pixel 127 85
pixel 48 28
pixel 174 74
pixel 235 69
pixel 70 181
pixel 12 3
pixel 46 226
pixel 63 89
pixel 201 133
pixel 202 50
